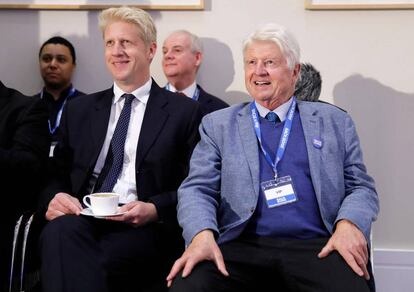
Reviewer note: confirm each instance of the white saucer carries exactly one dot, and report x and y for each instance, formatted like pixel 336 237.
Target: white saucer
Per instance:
pixel 88 212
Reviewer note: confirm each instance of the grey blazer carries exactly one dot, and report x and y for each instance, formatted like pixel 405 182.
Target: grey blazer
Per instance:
pixel 222 188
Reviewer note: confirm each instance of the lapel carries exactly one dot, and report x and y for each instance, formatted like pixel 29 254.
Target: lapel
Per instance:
pixel 203 97
pixel 99 121
pixel 312 129
pixel 4 95
pixel 154 119
pixel 6 118
pixel 249 144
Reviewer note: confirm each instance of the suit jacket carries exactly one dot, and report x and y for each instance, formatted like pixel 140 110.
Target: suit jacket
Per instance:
pixel 209 103
pixel 24 145
pixel 24 148
pixel 222 189
pixel 167 138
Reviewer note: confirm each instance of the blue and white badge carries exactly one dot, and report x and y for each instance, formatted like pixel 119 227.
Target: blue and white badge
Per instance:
pixel 317 143
pixel 279 192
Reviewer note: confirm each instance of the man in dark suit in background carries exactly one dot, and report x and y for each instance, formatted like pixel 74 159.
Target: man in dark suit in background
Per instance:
pixel 149 133
pixel 24 145
pixel 57 63
pixel 182 56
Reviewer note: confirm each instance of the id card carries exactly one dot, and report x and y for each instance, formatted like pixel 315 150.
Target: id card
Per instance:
pixel 279 191
pixel 52 148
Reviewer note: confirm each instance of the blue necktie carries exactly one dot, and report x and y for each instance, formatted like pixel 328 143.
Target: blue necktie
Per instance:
pixel 115 157
pixel 272 117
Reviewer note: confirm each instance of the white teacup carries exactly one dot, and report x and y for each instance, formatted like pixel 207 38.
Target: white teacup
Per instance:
pixel 102 203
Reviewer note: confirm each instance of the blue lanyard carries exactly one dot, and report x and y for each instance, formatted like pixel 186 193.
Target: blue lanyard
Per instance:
pixel 195 96
pixel 283 138
pixel 59 115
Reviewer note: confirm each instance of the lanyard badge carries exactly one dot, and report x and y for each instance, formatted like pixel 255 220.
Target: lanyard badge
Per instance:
pixel 279 191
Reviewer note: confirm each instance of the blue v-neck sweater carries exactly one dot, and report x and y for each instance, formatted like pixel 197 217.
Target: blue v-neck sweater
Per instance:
pixel 301 219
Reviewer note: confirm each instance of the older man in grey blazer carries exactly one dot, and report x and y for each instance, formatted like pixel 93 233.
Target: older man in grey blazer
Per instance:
pixel 278 195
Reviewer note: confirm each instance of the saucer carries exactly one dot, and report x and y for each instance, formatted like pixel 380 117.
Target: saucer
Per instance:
pixel 88 212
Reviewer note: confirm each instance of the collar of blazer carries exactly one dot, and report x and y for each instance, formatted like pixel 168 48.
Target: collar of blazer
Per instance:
pixel 154 119
pixel 311 128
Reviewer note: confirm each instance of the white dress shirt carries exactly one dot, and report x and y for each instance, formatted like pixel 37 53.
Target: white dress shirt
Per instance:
pixel 281 110
pixel 126 184
pixel 189 91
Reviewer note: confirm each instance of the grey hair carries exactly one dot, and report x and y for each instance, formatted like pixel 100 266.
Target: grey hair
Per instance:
pixel 196 45
pixel 281 37
pixel 309 84
pixel 134 15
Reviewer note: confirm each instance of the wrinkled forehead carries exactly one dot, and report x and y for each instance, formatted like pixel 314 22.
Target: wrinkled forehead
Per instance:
pixel 263 49
pixel 177 39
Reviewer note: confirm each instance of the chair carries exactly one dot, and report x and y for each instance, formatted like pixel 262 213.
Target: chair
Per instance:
pixel 24 273
pixel 25 263
pixel 371 282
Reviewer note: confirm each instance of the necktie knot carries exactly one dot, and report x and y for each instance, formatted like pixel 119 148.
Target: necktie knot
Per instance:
pixel 128 98
pixel 180 93
pixel 272 117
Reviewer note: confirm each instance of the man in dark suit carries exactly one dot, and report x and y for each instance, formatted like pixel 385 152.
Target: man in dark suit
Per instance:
pixel 24 145
pixel 149 134
pixel 182 57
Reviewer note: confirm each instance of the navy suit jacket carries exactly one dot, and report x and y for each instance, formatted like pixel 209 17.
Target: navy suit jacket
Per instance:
pixel 24 148
pixel 209 103
pixel 168 135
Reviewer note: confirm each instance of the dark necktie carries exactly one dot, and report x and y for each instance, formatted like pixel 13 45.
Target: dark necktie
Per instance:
pixel 115 157
pixel 180 93
pixel 272 117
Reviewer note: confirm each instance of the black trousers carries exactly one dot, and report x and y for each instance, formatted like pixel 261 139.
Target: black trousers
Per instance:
pixel 81 253
pixel 265 264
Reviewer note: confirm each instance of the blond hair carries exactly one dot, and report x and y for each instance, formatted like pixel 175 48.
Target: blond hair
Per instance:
pixel 134 15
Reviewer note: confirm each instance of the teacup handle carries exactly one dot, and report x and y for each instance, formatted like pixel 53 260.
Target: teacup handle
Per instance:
pixel 86 202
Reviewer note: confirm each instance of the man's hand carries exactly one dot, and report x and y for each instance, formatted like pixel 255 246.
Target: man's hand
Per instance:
pixel 62 204
pixel 202 247
pixel 137 213
pixel 349 241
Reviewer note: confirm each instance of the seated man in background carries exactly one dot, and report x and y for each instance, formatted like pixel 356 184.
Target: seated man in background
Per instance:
pixel 134 139
pixel 309 84
pixel 182 56
pixel 57 62
pixel 278 194
pixel 24 146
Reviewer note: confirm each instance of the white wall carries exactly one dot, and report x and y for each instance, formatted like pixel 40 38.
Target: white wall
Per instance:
pixel 365 58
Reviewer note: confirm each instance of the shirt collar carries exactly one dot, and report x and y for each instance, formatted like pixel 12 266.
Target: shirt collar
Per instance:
pixel 62 96
pixel 141 93
pixel 189 91
pixel 281 110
